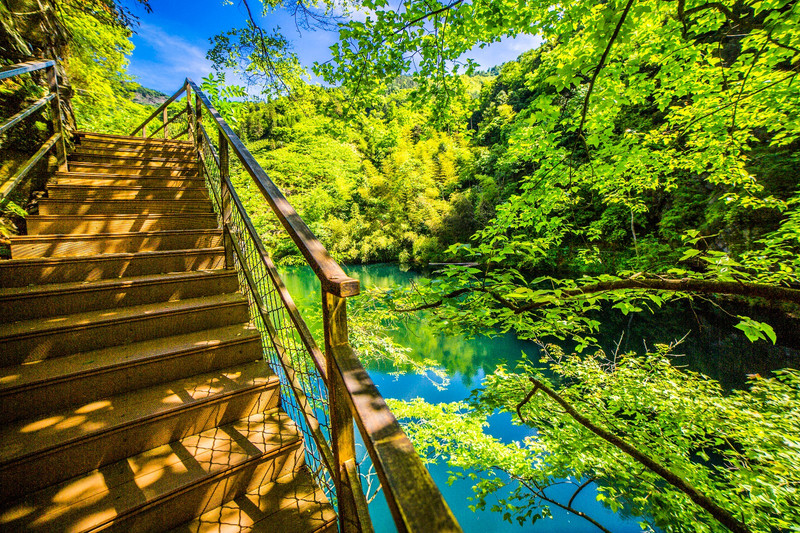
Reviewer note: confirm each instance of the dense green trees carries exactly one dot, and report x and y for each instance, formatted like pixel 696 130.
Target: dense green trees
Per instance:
pixel 380 185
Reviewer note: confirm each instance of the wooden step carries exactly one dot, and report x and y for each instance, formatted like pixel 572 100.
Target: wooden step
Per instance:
pixel 33 389
pixel 40 451
pixel 291 504
pixel 42 270
pixel 37 340
pixel 125 223
pixel 86 244
pixel 45 301
pixel 125 149
pixel 83 136
pixel 135 161
pixel 105 168
pixel 122 180
pixel 160 488
pixel 105 192
pixel 48 206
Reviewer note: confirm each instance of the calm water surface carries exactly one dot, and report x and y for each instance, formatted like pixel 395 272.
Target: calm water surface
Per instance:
pixel 717 351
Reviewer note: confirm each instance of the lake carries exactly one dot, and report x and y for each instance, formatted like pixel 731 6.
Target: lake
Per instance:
pixel 713 347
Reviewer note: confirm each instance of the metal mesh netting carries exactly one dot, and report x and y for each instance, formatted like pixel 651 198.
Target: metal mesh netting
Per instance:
pixel 259 281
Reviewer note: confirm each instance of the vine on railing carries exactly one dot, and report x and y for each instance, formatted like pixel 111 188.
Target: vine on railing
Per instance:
pixel 328 394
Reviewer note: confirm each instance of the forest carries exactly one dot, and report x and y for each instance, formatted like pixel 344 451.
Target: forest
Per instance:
pixel 645 155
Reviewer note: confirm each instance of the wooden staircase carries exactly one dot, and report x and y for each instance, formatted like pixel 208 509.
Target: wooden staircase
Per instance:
pixel 133 391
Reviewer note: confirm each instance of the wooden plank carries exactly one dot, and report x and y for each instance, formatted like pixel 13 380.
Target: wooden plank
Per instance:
pixel 334 320
pixel 331 275
pixel 25 113
pixel 21 68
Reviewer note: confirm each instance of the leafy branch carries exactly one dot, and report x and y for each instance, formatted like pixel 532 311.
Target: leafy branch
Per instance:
pixel 719 513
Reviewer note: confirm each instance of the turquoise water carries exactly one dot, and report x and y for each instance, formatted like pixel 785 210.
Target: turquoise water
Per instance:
pixel 723 354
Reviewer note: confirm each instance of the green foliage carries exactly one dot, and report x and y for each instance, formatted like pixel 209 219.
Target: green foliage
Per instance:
pixel 223 97
pixel 737 448
pixel 379 188
pixel 96 63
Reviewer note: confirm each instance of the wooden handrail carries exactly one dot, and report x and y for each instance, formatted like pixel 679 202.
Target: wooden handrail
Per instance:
pixel 25 113
pixel 56 139
pixel 29 164
pixel 9 71
pixel 331 275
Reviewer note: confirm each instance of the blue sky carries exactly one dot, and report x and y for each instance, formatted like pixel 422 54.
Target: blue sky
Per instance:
pixel 172 41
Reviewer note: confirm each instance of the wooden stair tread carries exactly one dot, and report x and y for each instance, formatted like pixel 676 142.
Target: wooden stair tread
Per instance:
pixel 96 318
pixel 108 175
pixel 70 367
pixel 111 217
pixel 47 237
pixel 139 158
pixel 291 504
pixel 63 224
pixel 124 487
pixel 26 272
pixel 7 263
pixel 128 283
pixel 144 188
pixel 70 206
pixel 130 163
pixel 106 168
pixel 29 438
pixel 82 134
pixel 58 299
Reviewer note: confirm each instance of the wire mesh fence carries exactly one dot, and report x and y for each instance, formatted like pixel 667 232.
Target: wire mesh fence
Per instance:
pixel 304 394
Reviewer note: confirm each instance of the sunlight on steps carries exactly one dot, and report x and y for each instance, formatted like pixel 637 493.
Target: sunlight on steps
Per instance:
pixel 133 389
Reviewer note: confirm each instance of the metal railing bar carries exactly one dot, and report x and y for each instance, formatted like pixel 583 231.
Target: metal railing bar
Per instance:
pixel 159 110
pixel 21 68
pixel 333 278
pixel 22 115
pixel 286 363
pixel 29 164
pixel 413 497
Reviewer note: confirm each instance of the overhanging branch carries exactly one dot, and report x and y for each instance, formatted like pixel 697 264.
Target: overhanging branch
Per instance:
pixel 720 514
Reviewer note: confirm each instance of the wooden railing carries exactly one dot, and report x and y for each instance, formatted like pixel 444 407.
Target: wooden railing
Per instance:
pixel 330 393
pixel 56 138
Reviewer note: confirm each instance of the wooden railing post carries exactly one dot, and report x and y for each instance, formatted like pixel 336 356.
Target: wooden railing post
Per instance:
pixel 55 118
pixel 190 117
pixel 225 196
pixel 198 118
pixel 334 319
pixel 166 126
